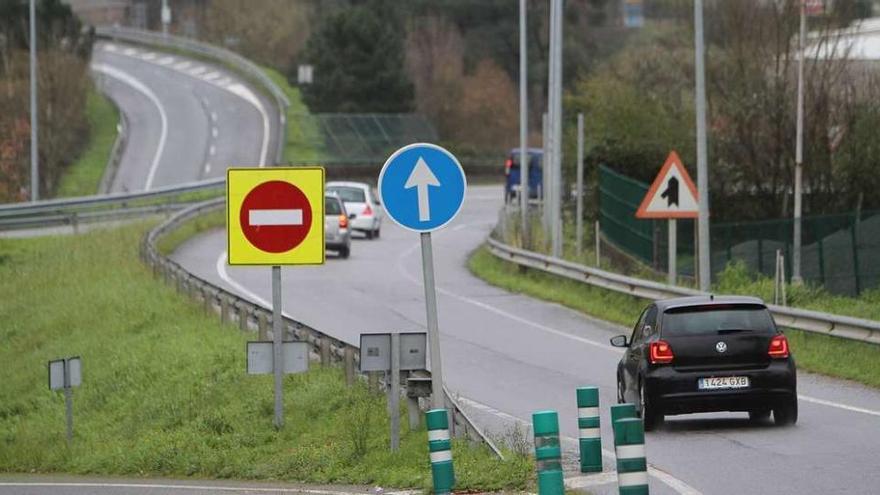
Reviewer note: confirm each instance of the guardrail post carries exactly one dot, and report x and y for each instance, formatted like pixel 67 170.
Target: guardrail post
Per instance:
pixel 589 438
pixel 548 453
pixel 440 448
pixel 243 317
pixel 632 465
pixel 207 300
pixel 224 309
pixel 349 366
pixel 325 351
pixel 262 326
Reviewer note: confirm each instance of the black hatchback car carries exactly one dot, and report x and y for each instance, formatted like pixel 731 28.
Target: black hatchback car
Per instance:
pixel 704 354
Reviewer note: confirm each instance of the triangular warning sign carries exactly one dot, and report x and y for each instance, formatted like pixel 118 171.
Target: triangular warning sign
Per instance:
pixel 673 193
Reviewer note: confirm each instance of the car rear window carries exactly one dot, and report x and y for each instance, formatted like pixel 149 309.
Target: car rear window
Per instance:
pixel 534 160
pixel 351 194
pixel 332 206
pixel 717 320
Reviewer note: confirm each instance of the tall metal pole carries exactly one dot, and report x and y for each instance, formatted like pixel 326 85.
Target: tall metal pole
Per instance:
pixel 799 152
pixel 437 399
pixel 166 17
pixel 523 127
pixel 546 179
pixel 672 259
pixel 394 392
pixel 579 209
pixel 702 167
pixel 557 137
pixel 35 125
pixel 278 356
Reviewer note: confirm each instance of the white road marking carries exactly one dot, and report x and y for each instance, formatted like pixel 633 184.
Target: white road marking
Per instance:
pixel 201 488
pixel 224 81
pixel 207 167
pixel 132 81
pixel 197 70
pixel 182 65
pixel 148 56
pixel 275 217
pixel 110 47
pixel 664 477
pixel 210 76
pixel 165 60
pixel 214 132
pixel 845 407
pixel 212 150
pixel 130 52
pixel 247 95
pixel 213 116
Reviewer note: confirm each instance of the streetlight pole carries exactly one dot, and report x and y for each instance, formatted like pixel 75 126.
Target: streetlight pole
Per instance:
pixel 523 128
pixel 799 152
pixel 702 167
pixel 35 177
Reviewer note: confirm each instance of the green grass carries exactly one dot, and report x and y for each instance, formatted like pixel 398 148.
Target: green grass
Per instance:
pixel 164 389
pixel 83 177
pixel 197 225
pixel 817 353
pixel 304 143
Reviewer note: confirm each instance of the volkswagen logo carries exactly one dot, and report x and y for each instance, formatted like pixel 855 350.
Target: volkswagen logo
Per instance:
pixel 721 347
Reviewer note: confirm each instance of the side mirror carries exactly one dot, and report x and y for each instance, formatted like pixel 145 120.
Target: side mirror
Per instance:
pixel 619 341
pixel 352 216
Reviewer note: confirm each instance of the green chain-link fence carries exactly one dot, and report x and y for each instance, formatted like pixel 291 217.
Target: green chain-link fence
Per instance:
pixel 840 252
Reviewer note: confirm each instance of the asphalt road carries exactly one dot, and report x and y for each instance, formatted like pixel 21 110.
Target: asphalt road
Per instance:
pixel 509 355
pixel 187 120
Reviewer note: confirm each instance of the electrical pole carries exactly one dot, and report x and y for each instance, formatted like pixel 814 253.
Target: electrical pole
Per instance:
pixel 555 127
pixel 702 167
pixel 524 190
pixel 799 152
pixel 35 125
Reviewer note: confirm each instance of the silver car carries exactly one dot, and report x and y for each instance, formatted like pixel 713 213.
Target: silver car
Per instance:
pixel 337 235
pixel 362 201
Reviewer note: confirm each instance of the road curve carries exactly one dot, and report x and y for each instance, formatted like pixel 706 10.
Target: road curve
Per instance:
pixel 187 120
pixel 509 355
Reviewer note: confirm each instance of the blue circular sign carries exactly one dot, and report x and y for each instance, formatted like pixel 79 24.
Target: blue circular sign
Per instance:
pixel 422 187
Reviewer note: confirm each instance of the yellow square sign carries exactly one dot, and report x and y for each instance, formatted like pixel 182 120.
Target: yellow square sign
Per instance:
pixel 275 216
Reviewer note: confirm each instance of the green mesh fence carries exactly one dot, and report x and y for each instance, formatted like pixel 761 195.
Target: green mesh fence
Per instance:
pixel 353 138
pixel 840 252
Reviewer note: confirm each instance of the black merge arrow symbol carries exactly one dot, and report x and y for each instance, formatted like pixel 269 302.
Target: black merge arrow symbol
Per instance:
pixel 671 192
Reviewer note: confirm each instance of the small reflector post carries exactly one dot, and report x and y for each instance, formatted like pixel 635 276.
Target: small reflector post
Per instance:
pixel 275 217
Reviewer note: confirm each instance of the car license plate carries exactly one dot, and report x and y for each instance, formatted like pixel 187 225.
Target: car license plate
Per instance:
pixel 723 382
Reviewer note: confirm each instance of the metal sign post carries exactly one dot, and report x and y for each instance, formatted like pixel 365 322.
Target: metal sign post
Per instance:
pixel 65 374
pixel 579 209
pixel 278 361
pixel 673 252
pixel 275 217
pixel 394 392
pixel 423 187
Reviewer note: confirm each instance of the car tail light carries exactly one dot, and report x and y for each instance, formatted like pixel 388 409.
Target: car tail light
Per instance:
pixel 778 347
pixel 507 165
pixel 367 211
pixel 343 222
pixel 661 352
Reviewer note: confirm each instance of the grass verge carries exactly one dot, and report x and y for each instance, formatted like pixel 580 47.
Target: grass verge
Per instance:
pixel 303 135
pixel 817 353
pixel 164 390
pixel 83 177
pixel 197 225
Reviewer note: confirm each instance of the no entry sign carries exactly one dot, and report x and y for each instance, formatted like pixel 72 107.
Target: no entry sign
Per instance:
pixel 275 216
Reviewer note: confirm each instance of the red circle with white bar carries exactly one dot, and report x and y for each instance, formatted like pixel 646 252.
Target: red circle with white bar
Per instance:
pixel 275 216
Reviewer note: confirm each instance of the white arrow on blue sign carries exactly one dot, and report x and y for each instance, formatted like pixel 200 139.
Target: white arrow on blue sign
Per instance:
pixel 422 187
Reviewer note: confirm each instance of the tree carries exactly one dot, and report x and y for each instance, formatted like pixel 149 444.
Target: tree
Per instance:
pixel 358 59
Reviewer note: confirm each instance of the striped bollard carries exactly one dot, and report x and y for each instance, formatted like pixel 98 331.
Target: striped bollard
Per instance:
pixel 621 411
pixel 548 454
pixel 440 448
pixel 589 439
pixel 632 466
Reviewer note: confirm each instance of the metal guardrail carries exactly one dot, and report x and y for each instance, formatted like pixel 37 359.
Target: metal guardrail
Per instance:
pixel 226 57
pixel 801 319
pixel 72 211
pixel 249 316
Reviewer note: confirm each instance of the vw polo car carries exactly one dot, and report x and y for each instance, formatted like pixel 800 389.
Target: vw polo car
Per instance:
pixel 707 354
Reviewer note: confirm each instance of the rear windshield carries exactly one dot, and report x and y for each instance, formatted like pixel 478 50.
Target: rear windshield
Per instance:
pixel 717 320
pixel 332 206
pixel 534 160
pixel 350 194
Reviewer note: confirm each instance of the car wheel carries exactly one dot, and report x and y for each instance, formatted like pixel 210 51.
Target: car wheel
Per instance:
pixel 369 234
pixel 786 413
pixel 759 416
pixel 344 252
pixel 650 416
pixel 376 233
pixel 620 399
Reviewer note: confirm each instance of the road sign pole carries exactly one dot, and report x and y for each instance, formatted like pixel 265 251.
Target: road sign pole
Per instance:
pixel 278 356
pixel 673 252
pixel 68 401
pixel 433 327
pixel 394 393
pixel 579 210
pixel 702 167
pixel 35 157
pixel 524 190
pixel 799 153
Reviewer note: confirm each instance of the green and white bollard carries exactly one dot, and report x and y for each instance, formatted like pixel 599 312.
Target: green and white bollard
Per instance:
pixel 589 438
pixel 632 466
pixel 440 448
pixel 621 411
pixel 548 453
